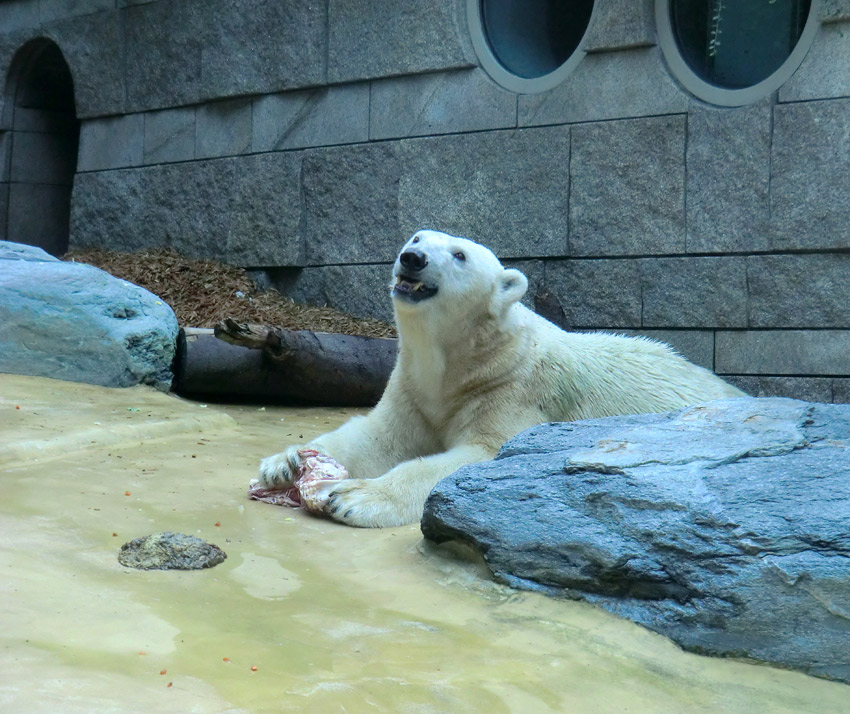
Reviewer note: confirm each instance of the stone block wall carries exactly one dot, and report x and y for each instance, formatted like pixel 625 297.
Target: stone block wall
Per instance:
pixel 307 139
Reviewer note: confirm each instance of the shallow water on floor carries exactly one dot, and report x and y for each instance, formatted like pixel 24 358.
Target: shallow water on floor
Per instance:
pixel 304 615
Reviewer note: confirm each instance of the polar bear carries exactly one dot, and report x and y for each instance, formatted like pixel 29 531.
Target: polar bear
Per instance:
pixel 474 368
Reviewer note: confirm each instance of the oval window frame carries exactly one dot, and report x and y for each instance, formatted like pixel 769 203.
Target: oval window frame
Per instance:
pixel 722 96
pixel 506 78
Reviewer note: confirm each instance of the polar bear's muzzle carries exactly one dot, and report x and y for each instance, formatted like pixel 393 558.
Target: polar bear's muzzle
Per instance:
pixel 412 289
pixel 408 283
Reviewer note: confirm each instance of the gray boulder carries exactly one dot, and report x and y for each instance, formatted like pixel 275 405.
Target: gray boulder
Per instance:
pixel 725 526
pixel 75 322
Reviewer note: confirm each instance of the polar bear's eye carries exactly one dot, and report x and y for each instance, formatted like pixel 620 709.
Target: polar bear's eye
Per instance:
pixel 460 255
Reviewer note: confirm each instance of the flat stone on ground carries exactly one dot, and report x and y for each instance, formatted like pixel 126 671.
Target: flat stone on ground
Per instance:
pixel 170 551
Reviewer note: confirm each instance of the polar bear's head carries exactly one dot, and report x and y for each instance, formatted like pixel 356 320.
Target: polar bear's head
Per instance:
pixel 454 275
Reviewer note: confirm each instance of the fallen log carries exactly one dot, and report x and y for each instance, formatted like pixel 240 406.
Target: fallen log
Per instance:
pixel 207 368
pixel 288 365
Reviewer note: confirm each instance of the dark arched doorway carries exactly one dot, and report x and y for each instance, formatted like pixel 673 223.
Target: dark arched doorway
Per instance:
pixel 39 142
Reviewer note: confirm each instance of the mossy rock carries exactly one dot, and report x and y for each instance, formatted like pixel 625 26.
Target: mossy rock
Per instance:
pixel 170 551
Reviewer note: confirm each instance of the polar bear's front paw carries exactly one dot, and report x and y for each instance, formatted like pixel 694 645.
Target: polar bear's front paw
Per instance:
pixel 279 471
pixel 367 504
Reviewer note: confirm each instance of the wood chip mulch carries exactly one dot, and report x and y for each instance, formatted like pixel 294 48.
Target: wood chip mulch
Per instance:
pixel 204 292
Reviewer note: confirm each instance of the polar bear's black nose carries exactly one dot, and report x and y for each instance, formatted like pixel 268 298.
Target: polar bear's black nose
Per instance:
pixel 413 260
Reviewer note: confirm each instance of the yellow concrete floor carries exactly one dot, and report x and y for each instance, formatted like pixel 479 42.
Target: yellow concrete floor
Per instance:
pixel 334 619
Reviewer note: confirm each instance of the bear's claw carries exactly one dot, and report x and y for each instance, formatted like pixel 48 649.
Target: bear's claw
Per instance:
pixel 280 470
pixel 362 503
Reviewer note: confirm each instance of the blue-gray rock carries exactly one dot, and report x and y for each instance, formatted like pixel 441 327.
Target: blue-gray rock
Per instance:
pixel 724 526
pixel 75 322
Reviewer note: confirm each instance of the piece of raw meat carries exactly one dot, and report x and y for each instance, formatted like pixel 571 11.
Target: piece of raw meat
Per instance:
pixel 309 490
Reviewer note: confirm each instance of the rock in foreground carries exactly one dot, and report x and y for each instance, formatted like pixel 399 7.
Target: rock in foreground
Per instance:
pixel 74 322
pixel 725 527
pixel 170 551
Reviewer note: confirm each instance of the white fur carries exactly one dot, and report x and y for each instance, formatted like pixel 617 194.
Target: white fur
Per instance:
pixel 474 368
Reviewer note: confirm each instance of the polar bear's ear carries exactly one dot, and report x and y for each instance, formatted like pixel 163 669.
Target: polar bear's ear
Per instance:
pixel 513 285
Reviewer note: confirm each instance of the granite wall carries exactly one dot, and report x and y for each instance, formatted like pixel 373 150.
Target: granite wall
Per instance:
pixel 308 139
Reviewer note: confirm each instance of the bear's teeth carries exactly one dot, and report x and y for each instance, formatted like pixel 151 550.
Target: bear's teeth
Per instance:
pixel 408 285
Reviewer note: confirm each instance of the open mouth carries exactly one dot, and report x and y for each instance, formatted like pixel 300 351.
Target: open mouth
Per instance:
pixel 413 290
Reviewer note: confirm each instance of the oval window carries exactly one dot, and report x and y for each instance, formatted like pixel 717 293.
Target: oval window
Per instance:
pixel 731 52
pixel 528 45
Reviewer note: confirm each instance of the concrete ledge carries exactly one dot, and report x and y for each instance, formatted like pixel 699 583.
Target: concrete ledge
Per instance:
pixel 810 389
pixel 596 293
pixel 799 290
pixel 369 39
pixel 783 352
pixel 112 143
pixel 439 103
pixel 223 128
pixel 169 135
pixel 319 117
pixel 196 208
pixel 608 85
pixel 694 292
